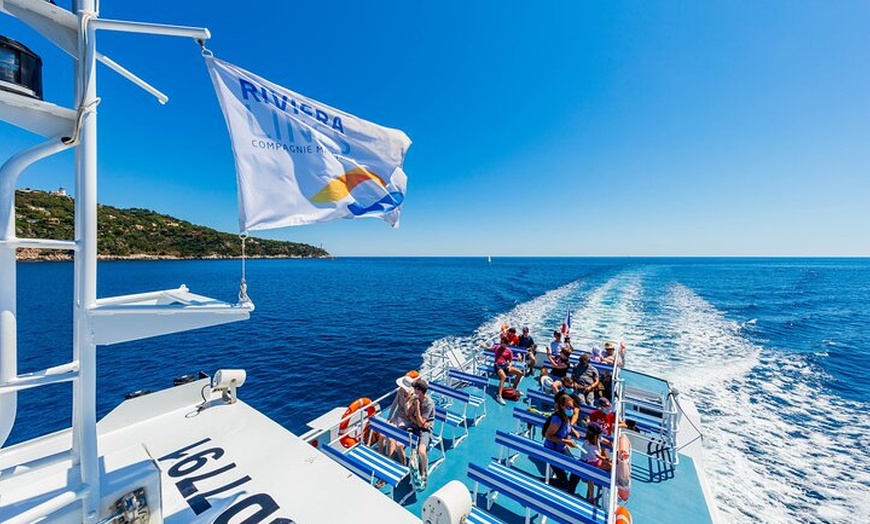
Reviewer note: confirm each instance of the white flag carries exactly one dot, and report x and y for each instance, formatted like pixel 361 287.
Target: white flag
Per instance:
pixel 300 162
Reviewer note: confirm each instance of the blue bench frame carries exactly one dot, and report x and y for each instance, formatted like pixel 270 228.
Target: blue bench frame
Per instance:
pixel 463 397
pixel 408 439
pixel 368 465
pixel 536 450
pixel 479 381
pixel 533 495
pixel 447 418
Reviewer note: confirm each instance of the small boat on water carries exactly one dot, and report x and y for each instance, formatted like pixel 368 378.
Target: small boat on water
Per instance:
pixel 197 453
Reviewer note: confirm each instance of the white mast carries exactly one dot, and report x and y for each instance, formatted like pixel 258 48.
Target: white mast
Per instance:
pixel 84 425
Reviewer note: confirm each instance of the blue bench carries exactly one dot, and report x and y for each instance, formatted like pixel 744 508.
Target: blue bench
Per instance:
pixel 536 450
pixel 447 418
pixel 475 380
pixel 534 420
pixel 574 359
pixel 533 495
pixel 463 397
pixel 530 419
pixel 368 464
pixel 407 439
pixel 543 399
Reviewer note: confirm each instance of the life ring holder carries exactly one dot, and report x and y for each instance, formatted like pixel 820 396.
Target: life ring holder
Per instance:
pixel 347 440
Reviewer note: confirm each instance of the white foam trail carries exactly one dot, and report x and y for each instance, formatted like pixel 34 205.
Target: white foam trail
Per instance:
pixel 532 314
pixel 770 448
pixel 610 312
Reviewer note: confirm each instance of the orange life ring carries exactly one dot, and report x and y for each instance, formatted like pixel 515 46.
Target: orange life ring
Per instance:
pixel 360 403
pixel 622 515
pixel 623 467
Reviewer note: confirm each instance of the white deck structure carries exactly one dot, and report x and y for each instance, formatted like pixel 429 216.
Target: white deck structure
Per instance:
pixel 187 454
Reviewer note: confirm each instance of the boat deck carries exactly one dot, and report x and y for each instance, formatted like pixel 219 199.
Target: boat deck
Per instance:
pixel 657 488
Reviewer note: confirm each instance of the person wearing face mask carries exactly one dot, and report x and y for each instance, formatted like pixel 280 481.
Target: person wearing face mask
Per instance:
pixel 570 388
pixel 559 436
pixel 604 416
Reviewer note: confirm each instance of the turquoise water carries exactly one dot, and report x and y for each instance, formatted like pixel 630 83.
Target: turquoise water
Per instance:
pixel 773 351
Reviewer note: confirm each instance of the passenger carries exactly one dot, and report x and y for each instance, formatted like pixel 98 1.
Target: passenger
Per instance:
pixel 421 412
pixel 503 367
pixel 546 382
pixel 558 437
pixel 512 338
pixel 526 341
pixel 604 416
pixel 610 355
pixel 398 416
pixel 593 454
pixel 560 365
pixel 586 379
pixel 570 390
pixel 556 344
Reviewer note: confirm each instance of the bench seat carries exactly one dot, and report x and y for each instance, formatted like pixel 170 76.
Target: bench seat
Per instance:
pixel 368 464
pixel 534 495
pixel 536 450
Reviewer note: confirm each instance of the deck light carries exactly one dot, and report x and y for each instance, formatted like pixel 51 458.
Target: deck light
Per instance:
pixel 227 381
pixel 20 69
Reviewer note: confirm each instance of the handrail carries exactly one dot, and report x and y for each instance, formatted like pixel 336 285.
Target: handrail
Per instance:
pixel 617 430
pixel 9 173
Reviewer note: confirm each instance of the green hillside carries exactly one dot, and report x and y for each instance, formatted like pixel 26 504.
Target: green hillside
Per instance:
pixel 138 233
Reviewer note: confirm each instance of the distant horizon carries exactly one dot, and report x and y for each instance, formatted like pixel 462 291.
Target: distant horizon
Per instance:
pixel 730 130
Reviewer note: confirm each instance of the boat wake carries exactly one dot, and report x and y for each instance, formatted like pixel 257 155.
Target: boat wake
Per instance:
pixel 777 445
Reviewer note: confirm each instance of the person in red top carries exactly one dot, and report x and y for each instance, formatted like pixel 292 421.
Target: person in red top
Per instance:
pixel 504 366
pixel 604 416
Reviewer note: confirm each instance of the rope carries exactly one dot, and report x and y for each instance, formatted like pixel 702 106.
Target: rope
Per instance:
pixel 206 52
pixel 84 107
pixel 243 285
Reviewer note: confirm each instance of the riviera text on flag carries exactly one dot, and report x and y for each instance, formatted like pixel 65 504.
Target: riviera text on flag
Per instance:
pixel 301 162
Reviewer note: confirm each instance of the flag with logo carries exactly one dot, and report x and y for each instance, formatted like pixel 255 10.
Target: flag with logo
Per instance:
pixel 299 161
pixel 566 325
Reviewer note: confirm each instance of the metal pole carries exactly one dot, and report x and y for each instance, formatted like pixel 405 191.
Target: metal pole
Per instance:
pixel 84 351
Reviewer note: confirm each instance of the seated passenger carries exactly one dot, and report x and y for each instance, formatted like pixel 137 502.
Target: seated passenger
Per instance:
pixel 591 453
pixel 504 367
pixel 570 390
pixel 398 416
pixel 558 436
pixel 526 341
pixel 421 412
pixel 586 379
pixel 560 363
pixel 610 355
pixel 603 416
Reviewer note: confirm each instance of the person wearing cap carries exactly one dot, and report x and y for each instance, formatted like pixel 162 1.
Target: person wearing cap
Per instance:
pixel 421 411
pixel 604 416
pixel 609 356
pixel 586 379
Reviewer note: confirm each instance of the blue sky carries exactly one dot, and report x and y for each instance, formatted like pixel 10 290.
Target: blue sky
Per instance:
pixel 539 128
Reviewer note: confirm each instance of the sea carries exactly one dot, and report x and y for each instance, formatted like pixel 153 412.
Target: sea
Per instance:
pixel 774 352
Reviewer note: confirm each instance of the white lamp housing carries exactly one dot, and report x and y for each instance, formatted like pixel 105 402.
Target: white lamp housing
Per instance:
pixel 227 381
